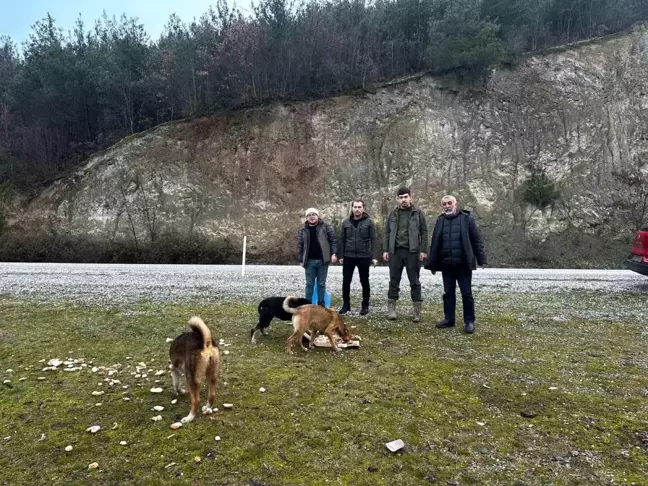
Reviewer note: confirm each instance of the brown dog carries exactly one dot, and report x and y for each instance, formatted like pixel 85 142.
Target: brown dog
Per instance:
pixel 314 318
pixel 197 355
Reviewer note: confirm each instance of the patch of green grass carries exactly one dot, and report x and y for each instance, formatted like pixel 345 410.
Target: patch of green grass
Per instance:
pixel 457 401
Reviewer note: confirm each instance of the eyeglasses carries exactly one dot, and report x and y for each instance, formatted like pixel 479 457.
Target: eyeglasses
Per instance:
pixel 449 203
pixel 311 214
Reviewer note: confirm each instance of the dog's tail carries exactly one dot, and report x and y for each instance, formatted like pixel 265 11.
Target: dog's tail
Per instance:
pixel 286 305
pixel 197 325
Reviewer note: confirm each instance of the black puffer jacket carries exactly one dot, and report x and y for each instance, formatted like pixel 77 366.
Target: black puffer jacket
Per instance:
pixel 358 241
pixel 452 253
pixel 472 244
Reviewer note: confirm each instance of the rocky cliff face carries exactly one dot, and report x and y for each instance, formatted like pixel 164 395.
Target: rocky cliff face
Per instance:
pixel 580 114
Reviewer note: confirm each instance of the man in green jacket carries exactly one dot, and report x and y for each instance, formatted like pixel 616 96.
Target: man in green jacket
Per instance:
pixel 406 239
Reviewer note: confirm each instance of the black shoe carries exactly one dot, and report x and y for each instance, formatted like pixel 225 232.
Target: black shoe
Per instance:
pixel 365 310
pixel 469 327
pixel 345 308
pixel 445 323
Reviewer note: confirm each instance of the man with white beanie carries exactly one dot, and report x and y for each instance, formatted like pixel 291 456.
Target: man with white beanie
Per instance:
pixel 317 249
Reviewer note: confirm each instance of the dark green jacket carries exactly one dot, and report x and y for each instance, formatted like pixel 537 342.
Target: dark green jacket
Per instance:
pixel 358 241
pixel 418 232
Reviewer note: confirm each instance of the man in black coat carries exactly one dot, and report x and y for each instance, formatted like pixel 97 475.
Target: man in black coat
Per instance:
pixel 456 248
pixel 357 248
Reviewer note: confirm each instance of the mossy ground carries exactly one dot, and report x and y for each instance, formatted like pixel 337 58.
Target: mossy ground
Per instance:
pixel 455 400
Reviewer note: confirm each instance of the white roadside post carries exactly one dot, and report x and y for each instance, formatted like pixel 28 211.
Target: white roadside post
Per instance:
pixel 243 262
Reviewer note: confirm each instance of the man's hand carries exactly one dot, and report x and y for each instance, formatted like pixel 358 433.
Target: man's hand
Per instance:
pixel 484 266
pixel 386 256
pixel 341 260
pixel 374 262
pixel 302 264
pixel 423 256
pixel 333 258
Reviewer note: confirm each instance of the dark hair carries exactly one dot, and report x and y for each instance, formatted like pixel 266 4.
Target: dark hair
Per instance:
pixel 358 200
pixel 403 190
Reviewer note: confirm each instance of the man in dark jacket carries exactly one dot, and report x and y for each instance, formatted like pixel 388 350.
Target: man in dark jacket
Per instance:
pixel 357 247
pixel 406 238
pixel 456 244
pixel 317 248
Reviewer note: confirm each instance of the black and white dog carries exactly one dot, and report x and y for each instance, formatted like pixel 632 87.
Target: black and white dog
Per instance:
pixel 269 309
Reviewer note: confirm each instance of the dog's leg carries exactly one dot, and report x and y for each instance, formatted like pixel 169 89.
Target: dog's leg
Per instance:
pixel 289 344
pixel 209 408
pixel 175 379
pixel 301 341
pixel 212 373
pixel 264 324
pixel 291 339
pixel 332 339
pixel 253 335
pixel 194 391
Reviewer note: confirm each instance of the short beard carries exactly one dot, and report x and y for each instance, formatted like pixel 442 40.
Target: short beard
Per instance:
pixel 451 212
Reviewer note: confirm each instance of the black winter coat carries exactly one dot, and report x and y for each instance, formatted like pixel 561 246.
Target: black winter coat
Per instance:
pixel 358 241
pixel 472 243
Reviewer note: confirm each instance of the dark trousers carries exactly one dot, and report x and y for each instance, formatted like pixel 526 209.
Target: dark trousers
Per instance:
pixel 462 276
pixel 403 258
pixel 348 267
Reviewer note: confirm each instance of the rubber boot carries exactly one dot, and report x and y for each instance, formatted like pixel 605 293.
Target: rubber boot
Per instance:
pixel 416 311
pixel 391 308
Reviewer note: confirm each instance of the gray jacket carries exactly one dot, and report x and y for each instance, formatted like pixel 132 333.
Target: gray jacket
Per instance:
pixel 418 232
pixel 325 236
pixel 358 241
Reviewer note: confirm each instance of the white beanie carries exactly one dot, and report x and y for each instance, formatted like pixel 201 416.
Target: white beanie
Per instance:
pixel 312 210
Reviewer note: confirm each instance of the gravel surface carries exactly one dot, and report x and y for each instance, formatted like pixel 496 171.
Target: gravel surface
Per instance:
pixel 110 285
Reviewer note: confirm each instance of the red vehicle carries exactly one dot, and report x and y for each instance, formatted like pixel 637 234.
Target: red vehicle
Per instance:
pixel 638 259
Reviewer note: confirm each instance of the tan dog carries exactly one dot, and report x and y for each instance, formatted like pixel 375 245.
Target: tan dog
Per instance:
pixel 314 318
pixel 197 355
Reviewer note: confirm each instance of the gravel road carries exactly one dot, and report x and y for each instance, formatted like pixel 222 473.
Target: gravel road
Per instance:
pixel 114 285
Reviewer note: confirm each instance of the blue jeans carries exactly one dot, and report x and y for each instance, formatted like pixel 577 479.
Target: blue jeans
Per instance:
pixel 316 269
